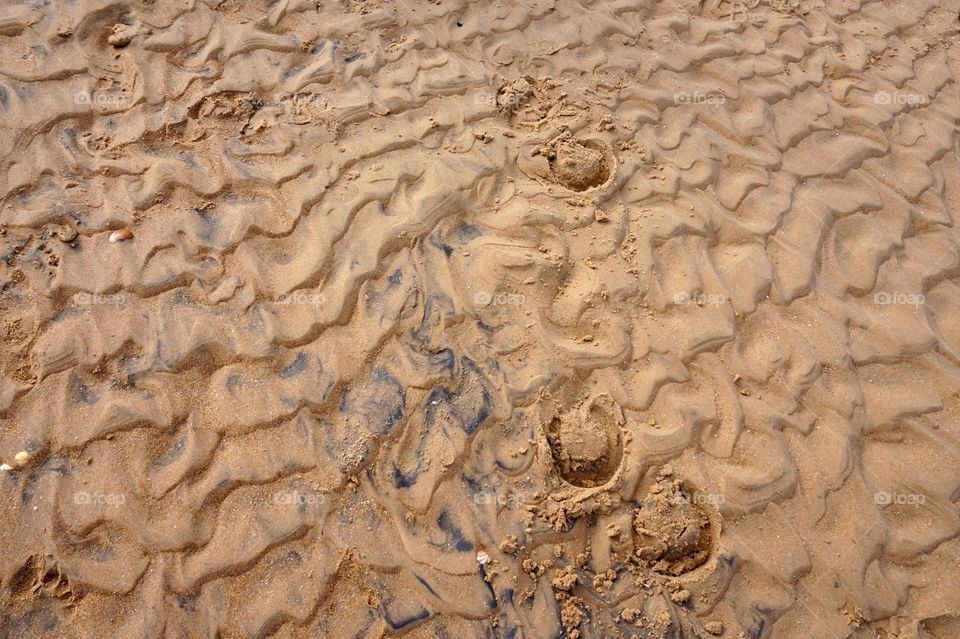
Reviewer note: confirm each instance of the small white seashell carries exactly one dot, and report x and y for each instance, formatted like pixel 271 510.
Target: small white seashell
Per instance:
pixel 482 558
pixel 22 458
pixel 121 235
pixel 6 467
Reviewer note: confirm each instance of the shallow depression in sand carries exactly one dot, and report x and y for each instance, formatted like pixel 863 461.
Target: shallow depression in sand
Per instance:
pixel 587 443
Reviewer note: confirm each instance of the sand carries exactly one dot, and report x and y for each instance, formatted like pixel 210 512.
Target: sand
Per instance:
pixel 496 319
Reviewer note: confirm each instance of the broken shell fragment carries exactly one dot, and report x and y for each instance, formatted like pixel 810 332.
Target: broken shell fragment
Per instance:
pixel 22 458
pixel 121 235
pixel 482 558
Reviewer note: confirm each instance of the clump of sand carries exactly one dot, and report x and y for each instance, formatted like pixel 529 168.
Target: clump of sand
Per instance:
pixel 673 534
pixel 577 164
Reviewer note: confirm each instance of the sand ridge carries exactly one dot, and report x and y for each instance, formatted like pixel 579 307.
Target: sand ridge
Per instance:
pixel 442 319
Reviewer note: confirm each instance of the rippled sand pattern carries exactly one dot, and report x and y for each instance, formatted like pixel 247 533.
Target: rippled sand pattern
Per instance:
pixel 493 319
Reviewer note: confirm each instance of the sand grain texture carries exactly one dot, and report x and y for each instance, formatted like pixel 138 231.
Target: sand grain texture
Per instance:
pixel 444 319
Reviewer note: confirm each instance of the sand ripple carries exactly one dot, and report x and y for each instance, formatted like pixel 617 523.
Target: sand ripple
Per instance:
pixel 608 319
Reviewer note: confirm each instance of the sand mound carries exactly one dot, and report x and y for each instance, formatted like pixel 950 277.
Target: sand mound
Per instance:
pixel 573 163
pixel 673 533
pixel 576 165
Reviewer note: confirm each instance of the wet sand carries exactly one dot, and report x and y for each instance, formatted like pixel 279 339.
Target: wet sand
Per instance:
pixel 519 320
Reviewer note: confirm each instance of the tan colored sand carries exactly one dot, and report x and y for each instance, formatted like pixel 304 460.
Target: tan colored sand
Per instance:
pixel 480 319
